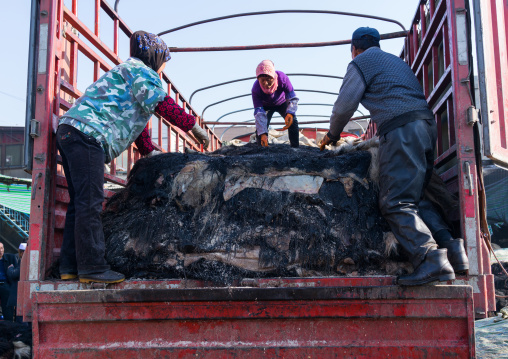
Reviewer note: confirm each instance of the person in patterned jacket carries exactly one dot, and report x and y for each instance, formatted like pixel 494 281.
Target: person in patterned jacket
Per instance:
pixel 407 131
pixel 273 92
pixel 111 114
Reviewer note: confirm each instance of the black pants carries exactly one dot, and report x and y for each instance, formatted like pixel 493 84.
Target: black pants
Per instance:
pixel 432 218
pixel 83 247
pixel 406 160
pixel 293 134
pixel 4 297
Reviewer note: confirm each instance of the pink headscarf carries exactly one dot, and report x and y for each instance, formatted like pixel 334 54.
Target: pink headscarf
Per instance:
pixel 266 67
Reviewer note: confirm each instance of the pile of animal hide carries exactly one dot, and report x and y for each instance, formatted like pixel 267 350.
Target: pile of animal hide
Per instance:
pixel 15 340
pixel 249 211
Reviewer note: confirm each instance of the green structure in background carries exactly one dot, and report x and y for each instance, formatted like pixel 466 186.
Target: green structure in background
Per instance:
pixel 15 197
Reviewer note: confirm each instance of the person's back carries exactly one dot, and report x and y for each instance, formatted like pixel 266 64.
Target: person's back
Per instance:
pixel 111 114
pixel 392 89
pixel 407 131
pixel 117 106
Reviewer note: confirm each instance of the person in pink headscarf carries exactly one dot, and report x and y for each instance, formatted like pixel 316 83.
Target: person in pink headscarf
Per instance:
pixel 272 92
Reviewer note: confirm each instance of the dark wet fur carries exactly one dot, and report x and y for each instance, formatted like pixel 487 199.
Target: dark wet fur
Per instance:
pixel 11 332
pixel 162 228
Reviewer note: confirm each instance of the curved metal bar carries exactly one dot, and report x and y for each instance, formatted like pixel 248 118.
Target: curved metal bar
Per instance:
pixel 230 127
pixel 218 102
pixel 252 108
pixel 233 98
pixel 391 35
pixel 116 5
pixel 281 12
pixel 354 119
pixel 282 123
pixel 253 78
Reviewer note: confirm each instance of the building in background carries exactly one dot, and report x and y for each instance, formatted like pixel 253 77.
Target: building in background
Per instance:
pixel 11 151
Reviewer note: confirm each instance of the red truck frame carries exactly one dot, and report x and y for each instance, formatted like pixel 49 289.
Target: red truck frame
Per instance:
pixel 286 317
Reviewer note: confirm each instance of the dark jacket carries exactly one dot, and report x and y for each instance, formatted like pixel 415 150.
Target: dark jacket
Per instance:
pixel 13 279
pixel 393 96
pixel 9 259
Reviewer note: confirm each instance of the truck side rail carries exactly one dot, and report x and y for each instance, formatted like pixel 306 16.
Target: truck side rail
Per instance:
pixel 438 52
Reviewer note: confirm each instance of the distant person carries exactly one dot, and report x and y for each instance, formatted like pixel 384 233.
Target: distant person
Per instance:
pixel 101 124
pixel 273 92
pixel 6 260
pixel 387 87
pixel 13 272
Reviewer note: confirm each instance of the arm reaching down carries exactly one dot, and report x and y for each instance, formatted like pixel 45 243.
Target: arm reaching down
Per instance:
pixel 261 121
pixel 201 135
pixel 176 115
pixel 293 103
pixel 144 143
pixel 351 92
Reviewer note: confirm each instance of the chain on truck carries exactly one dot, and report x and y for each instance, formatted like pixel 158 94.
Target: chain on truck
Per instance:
pixel 350 316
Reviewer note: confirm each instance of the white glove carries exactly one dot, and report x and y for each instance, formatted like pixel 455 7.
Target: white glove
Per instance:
pixel 154 153
pixel 201 136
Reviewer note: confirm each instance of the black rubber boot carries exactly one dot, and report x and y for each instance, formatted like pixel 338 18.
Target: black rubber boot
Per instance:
pixel 434 267
pixel 108 276
pixel 456 252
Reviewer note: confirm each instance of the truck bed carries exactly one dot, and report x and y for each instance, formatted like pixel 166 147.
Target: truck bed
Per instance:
pixel 291 318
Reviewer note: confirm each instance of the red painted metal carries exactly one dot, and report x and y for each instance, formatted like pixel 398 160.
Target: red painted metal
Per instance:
pixel 289 322
pixel 281 317
pixel 441 64
pixel 57 72
pixel 492 50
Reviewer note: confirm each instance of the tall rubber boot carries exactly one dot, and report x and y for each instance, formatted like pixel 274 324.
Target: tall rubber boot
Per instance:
pixel 434 267
pixel 456 252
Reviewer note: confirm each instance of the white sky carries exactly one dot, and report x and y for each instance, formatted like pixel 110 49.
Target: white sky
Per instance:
pixel 190 71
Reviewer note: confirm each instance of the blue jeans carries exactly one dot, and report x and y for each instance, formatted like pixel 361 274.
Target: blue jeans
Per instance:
pixel 83 247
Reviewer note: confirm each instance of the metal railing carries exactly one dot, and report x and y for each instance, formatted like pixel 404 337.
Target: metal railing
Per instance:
pixel 18 221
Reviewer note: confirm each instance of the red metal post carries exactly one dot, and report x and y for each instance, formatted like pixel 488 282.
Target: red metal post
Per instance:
pixel 42 210
pixel 450 95
pixel 97 17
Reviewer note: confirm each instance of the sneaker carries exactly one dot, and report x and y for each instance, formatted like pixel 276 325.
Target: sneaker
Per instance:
pixel 68 276
pixel 108 276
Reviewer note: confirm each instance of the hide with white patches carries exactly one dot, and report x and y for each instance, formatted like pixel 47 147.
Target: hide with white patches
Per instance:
pixel 249 212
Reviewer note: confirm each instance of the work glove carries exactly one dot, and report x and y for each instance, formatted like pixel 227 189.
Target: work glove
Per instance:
pixel 154 153
pixel 264 140
pixel 201 136
pixel 326 141
pixel 288 120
